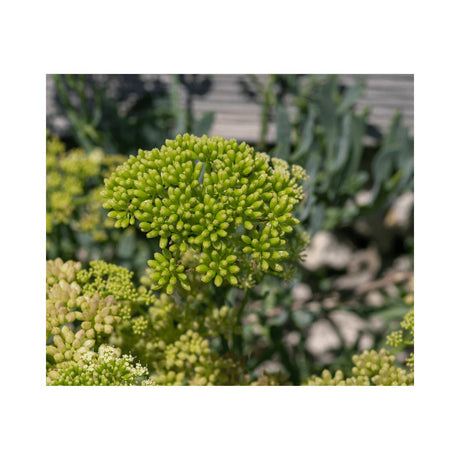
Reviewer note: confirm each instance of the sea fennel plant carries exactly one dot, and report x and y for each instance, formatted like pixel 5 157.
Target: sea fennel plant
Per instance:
pixel 220 217
pixel 219 211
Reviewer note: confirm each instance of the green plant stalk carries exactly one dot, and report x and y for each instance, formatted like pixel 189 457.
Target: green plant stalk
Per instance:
pixel 276 338
pixel 237 338
pixel 84 102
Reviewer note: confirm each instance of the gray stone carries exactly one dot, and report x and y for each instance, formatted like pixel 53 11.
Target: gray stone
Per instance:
pixel 326 251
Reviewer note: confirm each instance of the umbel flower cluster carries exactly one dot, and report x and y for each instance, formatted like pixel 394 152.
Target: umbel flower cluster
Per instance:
pixel 77 322
pixel 106 367
pixel 220 216
pixel 73 187
pixel 96 320
pixel 219 212
pixel 230 205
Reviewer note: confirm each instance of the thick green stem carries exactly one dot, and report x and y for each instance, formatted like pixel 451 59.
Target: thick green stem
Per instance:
pixel 237 339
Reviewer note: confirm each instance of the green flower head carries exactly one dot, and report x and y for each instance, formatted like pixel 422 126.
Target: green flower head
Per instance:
pixel 218 197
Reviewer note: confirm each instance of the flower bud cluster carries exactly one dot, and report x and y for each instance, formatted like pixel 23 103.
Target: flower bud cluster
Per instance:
pixel 54 148
pixel 395 339
pixel 140 325
pixel 75 320
pixel 72 197
pixel 221 321
pixel 190 361
pixel 96 316
pixel 405 336
pixel 220 198
pixel 408 324
pixel 91 219
pixel 66 173
pixel 86 310
pixel 371 368
pixel 62 293
pixel 108 279
pixel 169 319
pixel 410 361
pixel 327 379
pixel 106 367
pixel 166 320
pixel 57 270
pixel 369 362
pixel 395 376
pixel 377 368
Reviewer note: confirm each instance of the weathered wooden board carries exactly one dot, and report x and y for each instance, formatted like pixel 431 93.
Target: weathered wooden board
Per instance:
pixel 239 117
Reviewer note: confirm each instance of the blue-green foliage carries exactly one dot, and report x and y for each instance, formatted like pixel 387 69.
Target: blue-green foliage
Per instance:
pixel 325 134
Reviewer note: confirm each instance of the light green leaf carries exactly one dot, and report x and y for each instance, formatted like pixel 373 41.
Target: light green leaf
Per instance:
pixel 306 138
pixel 203 125
pixel 351 95
pixel 283 133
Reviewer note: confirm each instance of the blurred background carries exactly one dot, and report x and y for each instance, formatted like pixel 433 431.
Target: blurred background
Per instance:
pixel 352 133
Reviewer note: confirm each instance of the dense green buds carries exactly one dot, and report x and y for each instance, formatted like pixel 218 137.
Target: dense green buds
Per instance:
pixel 91 311
pixel 189 360
pixel 371 368
pixel 220 198
pixel 67 303
pixel 219 213
pixel 108 279
pixel 73 191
